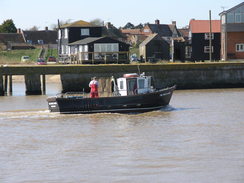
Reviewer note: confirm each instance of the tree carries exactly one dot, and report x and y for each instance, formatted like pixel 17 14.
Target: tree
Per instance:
pixel 8 27
pixel 97 22
pixel 34 28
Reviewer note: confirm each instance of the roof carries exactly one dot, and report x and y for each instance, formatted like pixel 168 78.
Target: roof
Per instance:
pixel 86 41
pixel 79 23
pixel 148 39
pixel 203 26
pixel 162 29
pixel 94 39
pixel 132 31
pixel 227 11
pixel 48 36
pixel 11 37
pixel 184 32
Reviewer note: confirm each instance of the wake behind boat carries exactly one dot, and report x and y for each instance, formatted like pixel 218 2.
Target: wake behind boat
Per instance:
pixel 132 93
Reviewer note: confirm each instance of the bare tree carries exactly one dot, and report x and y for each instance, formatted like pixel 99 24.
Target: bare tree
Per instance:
pixel 97 21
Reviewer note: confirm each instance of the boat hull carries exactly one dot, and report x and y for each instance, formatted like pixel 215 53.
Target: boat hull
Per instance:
pixel 116 104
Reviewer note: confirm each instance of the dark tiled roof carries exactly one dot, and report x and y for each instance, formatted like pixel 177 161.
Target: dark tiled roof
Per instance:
pixel 163 30
pixel 11 37
pixel 86 41
pixel 112 32
pixel 184 32
pixel 150 38
pixel 48 37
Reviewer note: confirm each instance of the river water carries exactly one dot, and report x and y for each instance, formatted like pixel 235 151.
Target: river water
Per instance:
pixel 198 138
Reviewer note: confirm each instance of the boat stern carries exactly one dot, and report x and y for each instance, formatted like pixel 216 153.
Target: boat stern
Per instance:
pixel 53 104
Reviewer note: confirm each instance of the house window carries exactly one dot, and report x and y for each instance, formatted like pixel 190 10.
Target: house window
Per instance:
pixel 230 18
pixel 59 34
pixel 40 42
pixel 207 36
pixel 240 47
pixel 207 49
pixel 66 33
pixel 188 51
pixel 146 30
pixel 85 32
pixel 104 47
pixel 29 41
pixel 237 17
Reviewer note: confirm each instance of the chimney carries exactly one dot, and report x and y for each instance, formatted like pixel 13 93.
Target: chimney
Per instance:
pixel 46 28
pixel 174 22
pixel 157 22
pixel 19 31
pixel 108 25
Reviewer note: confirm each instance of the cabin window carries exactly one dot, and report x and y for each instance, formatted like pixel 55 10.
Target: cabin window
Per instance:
pixel 85 32
pixel 207 49
pixel 141 83
pixel 240 47
pixel 188 51
pixel 121 85
pixel 207 36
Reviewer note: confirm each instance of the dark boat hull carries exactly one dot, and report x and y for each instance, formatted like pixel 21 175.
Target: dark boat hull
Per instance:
pixel 116 104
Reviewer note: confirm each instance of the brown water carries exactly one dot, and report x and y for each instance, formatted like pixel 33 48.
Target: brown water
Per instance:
pixel 199 138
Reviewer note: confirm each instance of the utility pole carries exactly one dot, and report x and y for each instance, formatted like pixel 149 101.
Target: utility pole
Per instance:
pixel 210 37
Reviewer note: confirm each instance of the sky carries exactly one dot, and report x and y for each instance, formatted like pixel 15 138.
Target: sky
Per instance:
pixel 42 13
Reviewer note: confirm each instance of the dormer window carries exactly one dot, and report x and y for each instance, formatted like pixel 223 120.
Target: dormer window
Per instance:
pixel 85 32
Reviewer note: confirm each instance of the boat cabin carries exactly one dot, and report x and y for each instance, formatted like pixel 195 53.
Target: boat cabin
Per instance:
pixel 132 84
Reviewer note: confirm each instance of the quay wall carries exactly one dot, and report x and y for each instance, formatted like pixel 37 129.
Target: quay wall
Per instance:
pixel 185 75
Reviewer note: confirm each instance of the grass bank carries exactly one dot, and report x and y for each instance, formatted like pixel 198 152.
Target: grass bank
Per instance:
pixel 14 56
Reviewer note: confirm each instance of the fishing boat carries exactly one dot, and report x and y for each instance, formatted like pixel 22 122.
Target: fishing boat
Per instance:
pixel 131 93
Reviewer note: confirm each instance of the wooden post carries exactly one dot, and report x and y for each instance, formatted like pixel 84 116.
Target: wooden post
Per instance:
pixel 43 84
pixel 210 37
pixel 1 86
pixel 5 84
pixel 10 84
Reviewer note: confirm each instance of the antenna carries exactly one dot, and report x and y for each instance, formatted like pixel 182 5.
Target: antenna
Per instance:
pixel 138 67
pixel 223 8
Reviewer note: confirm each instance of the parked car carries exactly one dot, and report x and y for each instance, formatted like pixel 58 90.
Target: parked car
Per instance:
pixel 25 58
pixel 51 59
pixel 41 61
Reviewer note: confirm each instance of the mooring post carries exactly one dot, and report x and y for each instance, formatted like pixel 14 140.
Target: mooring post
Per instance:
pixel 10 84
pixel 43 84
pixel 1 86
pixel 5 84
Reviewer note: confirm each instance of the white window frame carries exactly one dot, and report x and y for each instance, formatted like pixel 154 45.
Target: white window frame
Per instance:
pixel 240 47
pixel 59 34
pixel 207 36
pixel 206 49
pixel 85 32
pixel 66 33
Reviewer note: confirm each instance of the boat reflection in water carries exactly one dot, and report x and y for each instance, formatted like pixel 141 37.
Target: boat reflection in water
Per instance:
pixel 132 93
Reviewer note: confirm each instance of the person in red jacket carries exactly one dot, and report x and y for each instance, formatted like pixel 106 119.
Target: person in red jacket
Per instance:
pixel 94 88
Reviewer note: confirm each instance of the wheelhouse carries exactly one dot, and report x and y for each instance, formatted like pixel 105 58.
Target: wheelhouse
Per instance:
pixel 132 84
